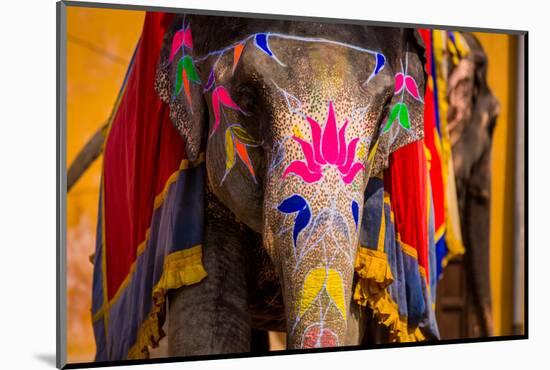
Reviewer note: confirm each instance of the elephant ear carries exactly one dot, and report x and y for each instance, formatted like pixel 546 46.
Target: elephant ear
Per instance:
pixel 178 84
pixel 403 119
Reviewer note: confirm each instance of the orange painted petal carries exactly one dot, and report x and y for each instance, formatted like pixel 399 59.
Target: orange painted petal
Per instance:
pixel 186 87
pixel 243 155
pixel 237 51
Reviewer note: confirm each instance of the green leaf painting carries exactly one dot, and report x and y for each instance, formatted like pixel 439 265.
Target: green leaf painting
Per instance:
pixel 404 116
pixel 185 63
pixel 190 69
pixel 400 111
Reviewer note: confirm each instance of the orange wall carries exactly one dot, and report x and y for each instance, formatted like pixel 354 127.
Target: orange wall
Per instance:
pixel 501 51
pixel 100 44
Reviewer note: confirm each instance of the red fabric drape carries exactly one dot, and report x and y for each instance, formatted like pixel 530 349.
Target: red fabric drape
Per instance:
pixel 142 150
pixel 406 179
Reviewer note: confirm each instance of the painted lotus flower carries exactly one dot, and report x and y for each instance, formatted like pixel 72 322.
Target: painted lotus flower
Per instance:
pixel 328 147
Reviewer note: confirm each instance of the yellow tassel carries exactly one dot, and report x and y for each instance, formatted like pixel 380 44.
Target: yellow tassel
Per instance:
pixel 180 269
pixel 375 276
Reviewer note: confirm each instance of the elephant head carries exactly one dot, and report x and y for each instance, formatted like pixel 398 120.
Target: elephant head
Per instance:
pixel 293 117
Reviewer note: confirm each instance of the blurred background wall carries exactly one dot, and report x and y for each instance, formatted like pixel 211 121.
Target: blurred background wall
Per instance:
pixel 99 46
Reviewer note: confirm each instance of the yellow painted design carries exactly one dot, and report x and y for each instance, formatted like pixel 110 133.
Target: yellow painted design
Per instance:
pixel 229 150
pixel 297 132
pixel 362 151
pixel 312 287
pixel 314 282
pixel 335 290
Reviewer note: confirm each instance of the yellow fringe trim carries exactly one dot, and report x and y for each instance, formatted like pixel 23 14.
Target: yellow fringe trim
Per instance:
pixel 374 272
pixel 371 289
pixel 180 269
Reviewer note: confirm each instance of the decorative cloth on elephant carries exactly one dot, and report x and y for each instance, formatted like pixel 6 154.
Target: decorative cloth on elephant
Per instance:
pixel 389 281
pixel 397 247
pixel 407 182
pixel 442 48
pixel 146 241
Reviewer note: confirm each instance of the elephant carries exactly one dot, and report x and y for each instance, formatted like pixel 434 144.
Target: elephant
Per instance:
pixel 293 118
pixel 472 116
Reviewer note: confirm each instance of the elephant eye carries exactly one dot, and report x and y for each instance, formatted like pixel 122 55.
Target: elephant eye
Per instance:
pixel 247 98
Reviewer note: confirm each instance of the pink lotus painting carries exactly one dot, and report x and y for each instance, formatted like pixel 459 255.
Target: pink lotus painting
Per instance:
pixel 328 147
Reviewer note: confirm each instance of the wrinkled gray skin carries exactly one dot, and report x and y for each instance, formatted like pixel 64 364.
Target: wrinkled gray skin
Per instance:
pixel 473 110
pixel 251 282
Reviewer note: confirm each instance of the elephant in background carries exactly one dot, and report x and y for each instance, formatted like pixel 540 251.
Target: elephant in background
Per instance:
pixel 472 115
pixel 293 118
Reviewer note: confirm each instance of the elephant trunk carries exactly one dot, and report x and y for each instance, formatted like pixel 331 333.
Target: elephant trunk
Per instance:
pixel 314 244
pixel 311 212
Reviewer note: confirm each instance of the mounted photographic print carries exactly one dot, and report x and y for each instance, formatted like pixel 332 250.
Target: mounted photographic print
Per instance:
pixel 238 184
